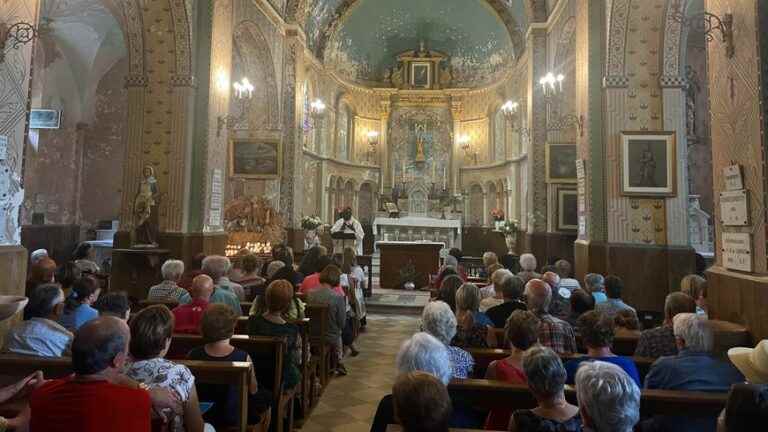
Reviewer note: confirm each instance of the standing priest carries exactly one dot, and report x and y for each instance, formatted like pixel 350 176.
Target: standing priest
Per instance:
pixel 347 225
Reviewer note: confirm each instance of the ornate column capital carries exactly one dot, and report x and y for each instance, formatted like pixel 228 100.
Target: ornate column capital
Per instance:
pixel 183 81
pixel 136 81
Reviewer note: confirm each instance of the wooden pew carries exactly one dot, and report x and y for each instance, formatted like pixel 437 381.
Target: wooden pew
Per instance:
pixel 622 344
pixel 318 327
pixel 268 355
pixel 245 306
pixel 236 374
pixel 486 395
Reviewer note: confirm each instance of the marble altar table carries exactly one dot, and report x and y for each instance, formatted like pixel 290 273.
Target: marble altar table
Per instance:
pixel 421 229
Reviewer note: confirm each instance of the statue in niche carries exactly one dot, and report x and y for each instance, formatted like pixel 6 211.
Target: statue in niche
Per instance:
pixel 397 76
pixel 420 129
pixel 145 210
pixel 446 77
pixel 690 100
pixel 387 77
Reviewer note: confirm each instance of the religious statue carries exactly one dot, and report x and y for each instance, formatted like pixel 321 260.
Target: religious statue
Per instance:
pixel 397 76
pixel 647 168
pixel 145 209
pixel 387 77
pixel 446 77
pixel 420 131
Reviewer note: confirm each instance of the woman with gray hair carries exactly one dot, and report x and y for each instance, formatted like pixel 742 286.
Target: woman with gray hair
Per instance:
pixel 546 380
pixel 472 325
pixel 168 290
pixel 609 400
pixel 528 265
pixel 439 321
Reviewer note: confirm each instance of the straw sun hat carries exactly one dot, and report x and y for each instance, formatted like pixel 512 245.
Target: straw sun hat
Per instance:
pixel 752 362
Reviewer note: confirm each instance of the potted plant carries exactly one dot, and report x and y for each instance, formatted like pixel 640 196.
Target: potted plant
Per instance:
pixel 510 228
pixel 310 224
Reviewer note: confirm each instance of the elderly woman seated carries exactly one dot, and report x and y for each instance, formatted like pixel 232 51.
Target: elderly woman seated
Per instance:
pixel 528 266
pixel 151 331
pixel 472 328
pixel 609 400
pixel 522 332
pixel 546 380
pixel 168 290
pixel 439 321
pixel 249 277
pixel 597 332
pixel 497 282
pixel 421 403
pixel 448 288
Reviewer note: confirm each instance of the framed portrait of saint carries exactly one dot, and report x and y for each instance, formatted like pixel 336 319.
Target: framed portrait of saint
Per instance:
pixel 561 163
pixel 567 209
pixel 648 164
pixel 255 158
pixel 421 75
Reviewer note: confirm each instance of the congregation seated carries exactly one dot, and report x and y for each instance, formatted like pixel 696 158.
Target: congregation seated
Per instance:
pixel 284 254
pixel 594 284
pixel 249 277
pixel 312 281
pixel 421 403
pixel 490 264
pixel 553 332
pixel 438 320
pixel 168 290
pixel 217 327
pixel 497 298
pixel 37 255
pixel 79 402
pixel 546 377
pixel 448 269
pixel 195 269
pixel 448 288
pixel 609 400
pixel 694 368
pixel 597 333
pixel 563 269
pixel 581 302
pixel 42 271
pixel 273 268
pixel 19 391
pixel 472 325
pixel 696 287
pixel 41 334
pixel 114 304
pixel 752 362
pixel 187 317
pixel 660 341
pixel 613 288
pixel 217 267
pixel 325 294
pixel 627 323
pixel 296 310
pixel 77 307
pixel 457 255
pixel 522 333
pixel 512 295
pixel 747 406
pixel 528 265
pixel 271 322
pixel 84 256
pixel 559 306
pixel 309 263
pixel 151 331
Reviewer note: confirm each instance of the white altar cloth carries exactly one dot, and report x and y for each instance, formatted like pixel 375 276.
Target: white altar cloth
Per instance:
pixel 418 229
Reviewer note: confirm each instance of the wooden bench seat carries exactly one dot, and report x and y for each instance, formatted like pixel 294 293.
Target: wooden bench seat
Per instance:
pixel 244 306
pixel 487 395
pixel 236 374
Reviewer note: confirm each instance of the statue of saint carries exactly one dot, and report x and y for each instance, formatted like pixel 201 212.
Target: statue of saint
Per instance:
pixel 647 168
pixel 420 130
pixel 397 76
pixel 145 209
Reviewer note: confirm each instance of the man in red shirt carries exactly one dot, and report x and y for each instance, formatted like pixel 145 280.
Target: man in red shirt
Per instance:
pixel 187 316
pixel 97 397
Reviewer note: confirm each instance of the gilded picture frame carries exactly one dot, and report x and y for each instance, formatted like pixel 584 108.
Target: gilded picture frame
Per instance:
pixel 648 163
pixel 567 209
pixel 561 163
pixel 254 158
pixel 421 75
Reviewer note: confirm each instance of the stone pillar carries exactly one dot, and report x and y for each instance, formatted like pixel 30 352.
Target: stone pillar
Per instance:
pixel 737 88
pixel 456 152
pixel 486 216
pixel 386 178
pixel 291 190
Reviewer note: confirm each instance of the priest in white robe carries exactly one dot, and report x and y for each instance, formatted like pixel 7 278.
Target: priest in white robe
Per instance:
pixel 348 225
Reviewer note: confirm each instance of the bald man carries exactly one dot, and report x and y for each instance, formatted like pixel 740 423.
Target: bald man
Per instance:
pixel 553 332
pixel 187 316
pixel 77 403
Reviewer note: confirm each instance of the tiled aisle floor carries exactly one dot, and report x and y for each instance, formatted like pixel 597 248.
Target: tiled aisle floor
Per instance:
pixel 349 403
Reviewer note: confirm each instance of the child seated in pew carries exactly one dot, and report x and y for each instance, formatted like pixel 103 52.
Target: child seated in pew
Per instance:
pixel 217 327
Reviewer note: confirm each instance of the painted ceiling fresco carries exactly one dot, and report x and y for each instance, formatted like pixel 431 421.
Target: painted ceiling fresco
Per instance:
pixel 364 46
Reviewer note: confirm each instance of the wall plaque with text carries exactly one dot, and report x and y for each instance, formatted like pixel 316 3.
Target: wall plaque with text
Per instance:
pixel 733 178
pixel 734 208
pixel 737 251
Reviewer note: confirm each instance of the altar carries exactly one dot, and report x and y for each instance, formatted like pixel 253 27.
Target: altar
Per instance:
pixel 418 229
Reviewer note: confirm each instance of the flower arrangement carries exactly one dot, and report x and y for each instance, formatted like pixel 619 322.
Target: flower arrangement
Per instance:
pixel 497 214
pixel 509 227
pixel 311 222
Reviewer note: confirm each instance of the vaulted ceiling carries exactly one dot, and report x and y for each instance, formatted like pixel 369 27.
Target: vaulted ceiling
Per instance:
pixel 360 38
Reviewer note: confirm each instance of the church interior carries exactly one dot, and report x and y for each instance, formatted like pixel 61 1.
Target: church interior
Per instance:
pixel 558 203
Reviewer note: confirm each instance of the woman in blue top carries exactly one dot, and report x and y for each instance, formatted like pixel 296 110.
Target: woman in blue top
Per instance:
pixel 78 310
pixel 597 331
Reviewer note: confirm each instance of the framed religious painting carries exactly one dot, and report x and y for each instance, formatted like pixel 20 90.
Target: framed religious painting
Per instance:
pixel 561 163
pixel 567 209
pixel 44 119
pixel 255 158
pixel 648 164
pixel 421 75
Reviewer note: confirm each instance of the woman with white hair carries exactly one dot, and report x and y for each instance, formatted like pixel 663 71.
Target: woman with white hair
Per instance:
pixel 439 321
pixel 546 380
pixel 472 325
pixel 609 399
pixel 168 290
pixel 528 265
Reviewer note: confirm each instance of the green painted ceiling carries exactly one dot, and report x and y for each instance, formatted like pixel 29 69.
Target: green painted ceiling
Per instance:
pixel 364 46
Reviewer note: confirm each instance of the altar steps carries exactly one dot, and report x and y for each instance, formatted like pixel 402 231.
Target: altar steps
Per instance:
pixel 396 302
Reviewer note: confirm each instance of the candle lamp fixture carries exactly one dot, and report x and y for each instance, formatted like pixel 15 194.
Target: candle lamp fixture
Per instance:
pixel 317 108
pixel 373 141
pixel 552 88
pixel 16 35
pixel 551 84
pixel 243 93
pixel 709 24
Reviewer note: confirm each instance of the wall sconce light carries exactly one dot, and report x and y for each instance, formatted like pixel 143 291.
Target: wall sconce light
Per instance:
pixel 552 84
pixel 243 93
pixel 707 23
pixel 317 108
pixel 373 141
pixel 509 111
pixel 15 35
pixel 465 143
